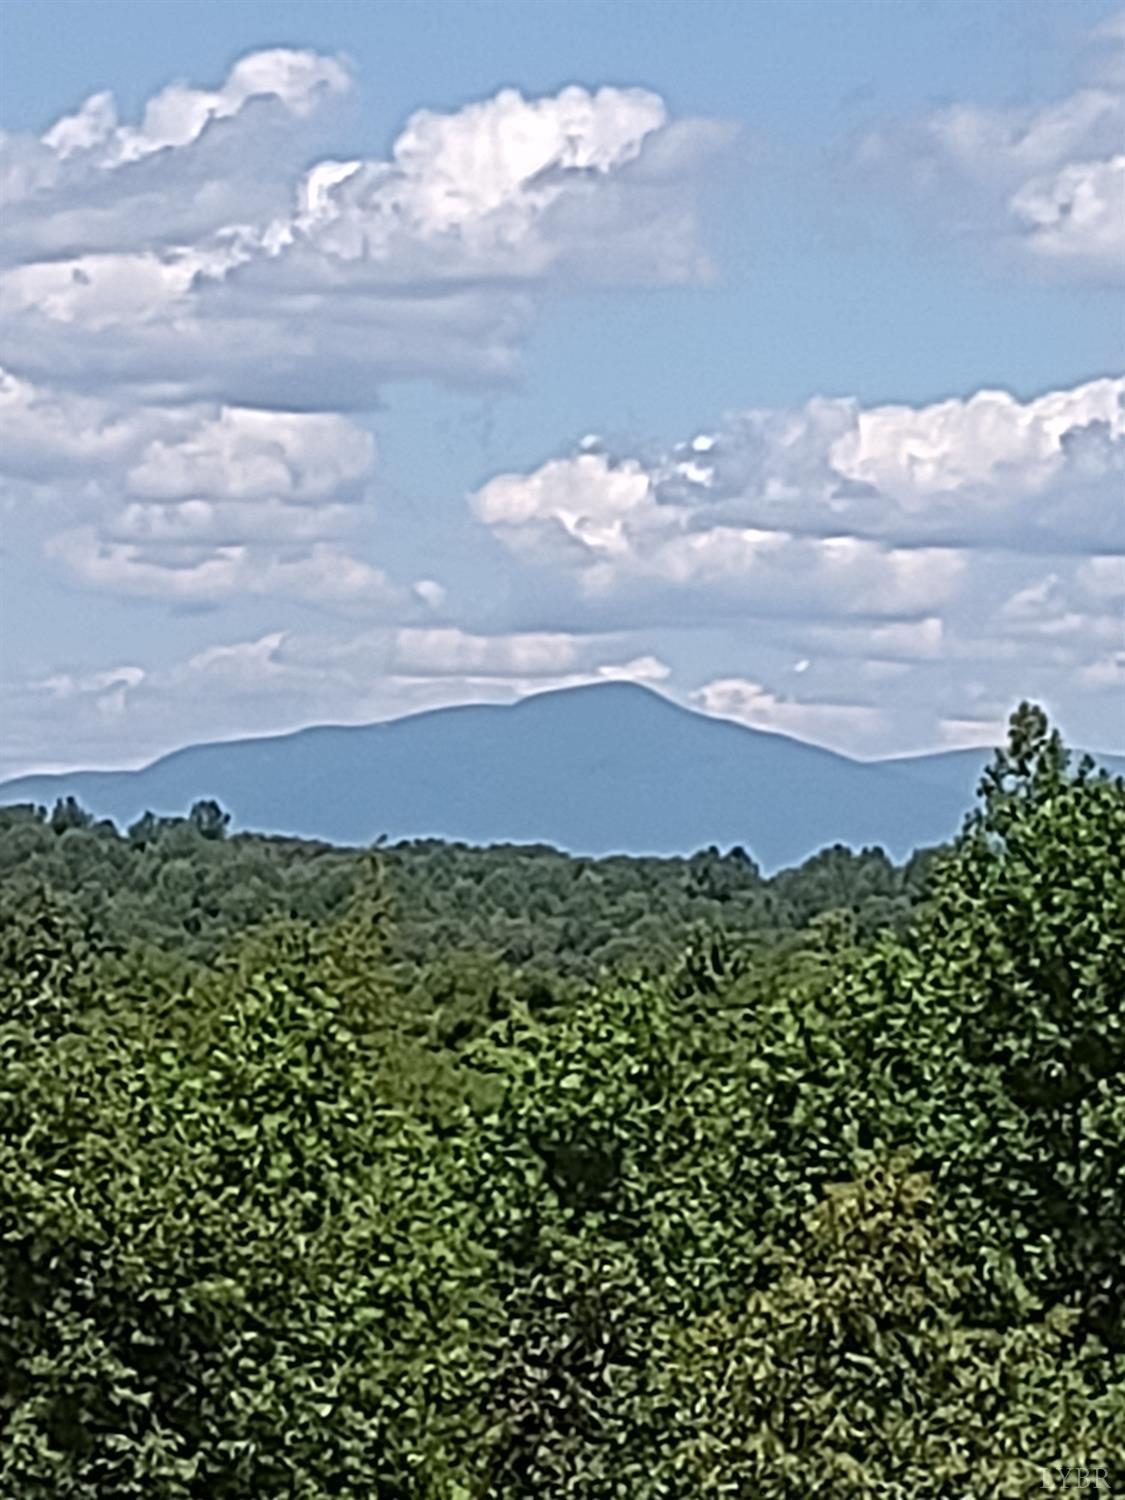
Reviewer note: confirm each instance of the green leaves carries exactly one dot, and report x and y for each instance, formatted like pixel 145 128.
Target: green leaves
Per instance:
pixel 850 1372
pixel 831 1215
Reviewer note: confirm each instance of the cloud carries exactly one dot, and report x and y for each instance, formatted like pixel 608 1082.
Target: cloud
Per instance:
pixel 1086 590
pixel 612 527
pixel 994 455
pixel 452 652
pixel 946 559
pixel 818 722
pixel 198 255
pixel 197 303
pixel 1073 616
pixel 319 573
pixel 878 643
pixel 108 691
pixel 985 733
pixel 828 510
pixel 1076 215
pixel 257 455
pixel 199 162
pixel 1106 674
pixel 51 437
pixel 178 115
pixel 193 299
pixel 194 504
pixel 1103 578
pixel 175 453
pixel 519 661
pixel 282 680
pixel 1045 180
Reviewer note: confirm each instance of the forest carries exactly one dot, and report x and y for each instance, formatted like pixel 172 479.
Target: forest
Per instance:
pixel 432 1172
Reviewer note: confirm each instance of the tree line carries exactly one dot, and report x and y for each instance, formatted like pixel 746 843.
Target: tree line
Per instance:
pixel 186 883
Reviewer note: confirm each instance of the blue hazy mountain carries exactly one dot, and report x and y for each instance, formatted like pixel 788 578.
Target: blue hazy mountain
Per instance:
pixel 600 769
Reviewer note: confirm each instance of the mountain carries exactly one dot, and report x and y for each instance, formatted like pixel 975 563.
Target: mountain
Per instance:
pixel 607 768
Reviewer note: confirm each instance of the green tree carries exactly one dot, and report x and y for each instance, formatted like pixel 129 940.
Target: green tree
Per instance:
pixel 208 819
pixel 67 814
pixel 233 1263
pixel 996 1032
pixel 852 1371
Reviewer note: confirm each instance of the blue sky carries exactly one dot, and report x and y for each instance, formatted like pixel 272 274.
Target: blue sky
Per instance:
pixel 685 380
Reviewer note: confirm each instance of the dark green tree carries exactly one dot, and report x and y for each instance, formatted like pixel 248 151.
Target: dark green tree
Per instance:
pixel 998 1030
pixel 208 819
pixel 67 814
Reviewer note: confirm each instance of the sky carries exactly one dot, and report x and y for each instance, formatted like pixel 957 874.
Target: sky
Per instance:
pixel 358 358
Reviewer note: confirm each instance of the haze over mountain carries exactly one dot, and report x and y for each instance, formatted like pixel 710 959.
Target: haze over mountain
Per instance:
pixel 594 770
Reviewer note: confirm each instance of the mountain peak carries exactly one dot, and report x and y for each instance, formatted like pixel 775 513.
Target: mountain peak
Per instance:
pixel 608 767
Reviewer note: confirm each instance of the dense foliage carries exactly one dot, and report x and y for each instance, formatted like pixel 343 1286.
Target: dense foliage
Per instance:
pixel 183 884
pixel 780 1197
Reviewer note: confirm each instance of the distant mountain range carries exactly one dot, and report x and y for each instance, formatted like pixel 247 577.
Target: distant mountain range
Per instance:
pixel 610 768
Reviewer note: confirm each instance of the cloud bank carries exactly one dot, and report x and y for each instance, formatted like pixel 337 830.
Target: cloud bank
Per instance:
pixel 196 307
pixel 200 255
pixel 942 552
pixel 285 679
pixel 1046 181
pixel 845 509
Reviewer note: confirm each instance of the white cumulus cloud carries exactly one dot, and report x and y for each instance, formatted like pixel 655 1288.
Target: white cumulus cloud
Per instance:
pixel 829 509
pixel 1046 179
pixel 198 503
pixel 197 254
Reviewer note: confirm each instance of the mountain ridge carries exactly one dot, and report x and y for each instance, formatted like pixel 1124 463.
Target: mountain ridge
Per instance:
pixel 594 769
